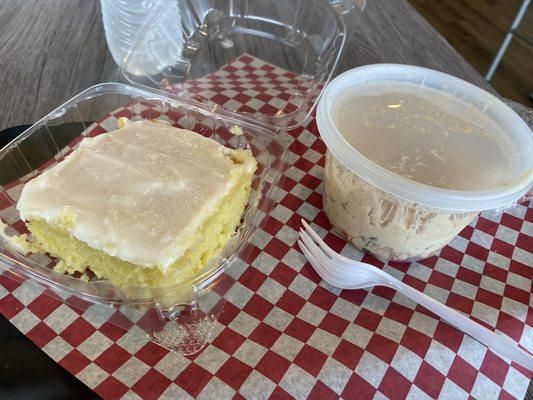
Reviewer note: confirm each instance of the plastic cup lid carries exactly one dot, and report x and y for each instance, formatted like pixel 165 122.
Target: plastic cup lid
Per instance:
pixel 515 184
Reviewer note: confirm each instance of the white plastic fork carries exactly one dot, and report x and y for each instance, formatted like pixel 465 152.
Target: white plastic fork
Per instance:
pixel 345 273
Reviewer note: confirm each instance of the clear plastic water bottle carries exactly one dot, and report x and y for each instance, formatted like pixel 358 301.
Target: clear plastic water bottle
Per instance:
pixel 122 20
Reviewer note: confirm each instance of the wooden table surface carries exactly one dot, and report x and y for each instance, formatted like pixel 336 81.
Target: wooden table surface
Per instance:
pixel 52 49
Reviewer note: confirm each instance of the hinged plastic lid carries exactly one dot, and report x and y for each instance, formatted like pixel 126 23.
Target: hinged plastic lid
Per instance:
pixel 264 61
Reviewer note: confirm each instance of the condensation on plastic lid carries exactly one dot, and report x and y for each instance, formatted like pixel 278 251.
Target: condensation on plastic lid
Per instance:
pixel 498 198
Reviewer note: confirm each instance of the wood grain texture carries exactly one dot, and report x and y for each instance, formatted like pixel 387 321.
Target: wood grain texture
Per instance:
pixel 52 49
pixel 49 51
pixel 476 28
pixel 392 31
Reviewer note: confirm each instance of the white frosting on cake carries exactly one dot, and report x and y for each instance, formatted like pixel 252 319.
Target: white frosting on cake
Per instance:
pixel 139 193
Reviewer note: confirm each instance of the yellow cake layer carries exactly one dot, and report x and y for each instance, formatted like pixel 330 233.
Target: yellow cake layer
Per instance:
pixel 210 239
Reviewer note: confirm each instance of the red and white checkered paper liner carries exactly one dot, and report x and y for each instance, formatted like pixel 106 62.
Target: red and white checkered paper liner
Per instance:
pixel 287 334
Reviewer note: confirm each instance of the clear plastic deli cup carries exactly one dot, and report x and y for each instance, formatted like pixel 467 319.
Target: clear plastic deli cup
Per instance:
pixel 414 155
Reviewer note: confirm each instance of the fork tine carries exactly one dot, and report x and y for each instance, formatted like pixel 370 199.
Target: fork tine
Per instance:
pixel 309 255
pixel 331 265
pixel 328 250
pixel 313 261
pixel 325 274
pixel 315 249
pixel 336 263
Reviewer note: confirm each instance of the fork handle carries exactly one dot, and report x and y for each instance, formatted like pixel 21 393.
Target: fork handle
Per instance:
pixel 498 343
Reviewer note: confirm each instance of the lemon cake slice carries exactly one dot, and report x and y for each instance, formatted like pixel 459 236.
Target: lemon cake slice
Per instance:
pixel 145 205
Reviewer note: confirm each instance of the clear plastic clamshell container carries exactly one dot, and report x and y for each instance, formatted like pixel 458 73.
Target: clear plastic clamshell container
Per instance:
pixel 302 39
pixel 162 312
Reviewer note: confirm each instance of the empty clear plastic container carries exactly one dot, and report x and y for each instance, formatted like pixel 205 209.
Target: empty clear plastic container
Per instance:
pixel 302 37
